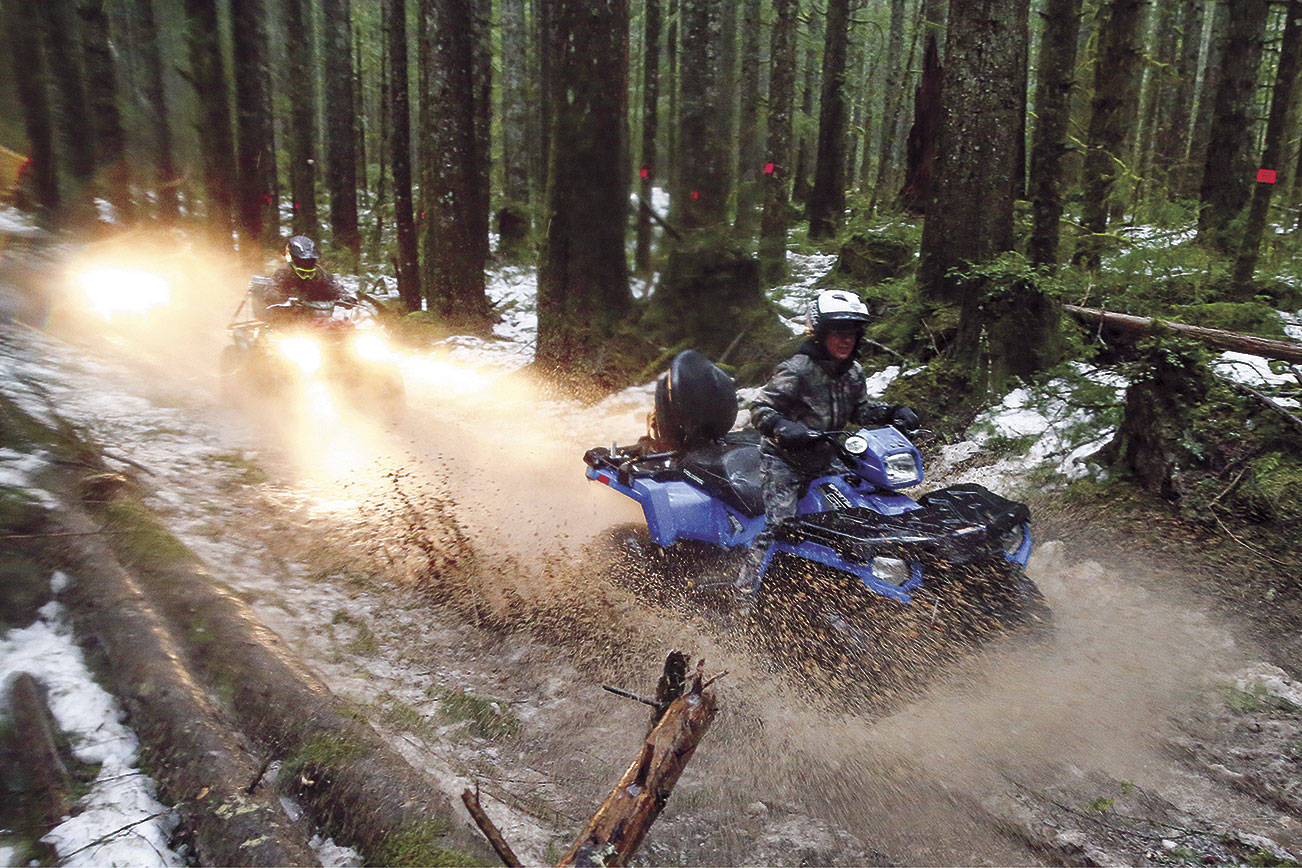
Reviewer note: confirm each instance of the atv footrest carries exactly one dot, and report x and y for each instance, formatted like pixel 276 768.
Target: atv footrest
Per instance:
pixel 958 524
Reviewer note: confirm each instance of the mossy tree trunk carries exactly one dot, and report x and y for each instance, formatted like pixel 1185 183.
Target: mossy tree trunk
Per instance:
pixel 1055 78
pixel 300 69
pixel 826 205
pixel 1117 73
pixel 31 80
pixel 340 126
pixel 703 157
pixel 155 94
pixel 407 260
pixel 583 292
pixel 751 154
pixel 216 139
pixel 1281 104
pixel 1229 169
pixel 777 167
pixel 258 208
pixel 647 171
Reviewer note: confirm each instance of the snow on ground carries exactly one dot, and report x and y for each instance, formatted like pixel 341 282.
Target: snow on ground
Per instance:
pixel 1258 372
pixel 119 822
pixel 18 224
pixel 1292 324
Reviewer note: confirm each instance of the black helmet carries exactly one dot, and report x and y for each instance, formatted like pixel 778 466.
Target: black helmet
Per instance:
pixel 302 255
pixel 834 310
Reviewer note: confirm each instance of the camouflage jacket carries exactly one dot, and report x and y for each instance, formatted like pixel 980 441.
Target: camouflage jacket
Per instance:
pixel 819 392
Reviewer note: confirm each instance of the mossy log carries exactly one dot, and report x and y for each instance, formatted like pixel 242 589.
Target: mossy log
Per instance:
pixel 1286 351
pixel 191 750
pixel 351 782
pixel 615 832
pixel 45 776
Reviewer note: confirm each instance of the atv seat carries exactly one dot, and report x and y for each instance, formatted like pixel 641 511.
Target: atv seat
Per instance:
pixel 729 469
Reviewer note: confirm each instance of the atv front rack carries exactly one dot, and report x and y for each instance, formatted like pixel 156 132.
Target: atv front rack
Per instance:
pixel 958 525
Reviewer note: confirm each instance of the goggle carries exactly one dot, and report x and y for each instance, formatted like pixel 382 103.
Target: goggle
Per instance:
pixel 305 273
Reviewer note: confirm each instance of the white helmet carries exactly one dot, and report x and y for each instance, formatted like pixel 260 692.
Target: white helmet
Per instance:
pixel 833 309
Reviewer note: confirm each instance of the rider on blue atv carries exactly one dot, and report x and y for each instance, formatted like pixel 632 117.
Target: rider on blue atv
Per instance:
pixel 820 388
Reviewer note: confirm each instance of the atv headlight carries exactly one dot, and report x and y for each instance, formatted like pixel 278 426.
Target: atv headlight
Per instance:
pixel 891 570
pixel 371 347
pixel 303 352
pixel 901 469
pixel 855 445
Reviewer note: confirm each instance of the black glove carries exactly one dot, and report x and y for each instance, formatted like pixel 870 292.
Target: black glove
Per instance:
pixel 788 433
pixel 904 418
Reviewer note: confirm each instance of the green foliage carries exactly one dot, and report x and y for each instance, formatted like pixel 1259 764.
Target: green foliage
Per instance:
pixel 1255 700
pixel 1272 488
pixel 942 394
pixel 139 536
pixel 245 471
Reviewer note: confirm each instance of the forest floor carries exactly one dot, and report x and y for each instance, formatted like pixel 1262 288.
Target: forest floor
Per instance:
pixel 1157 722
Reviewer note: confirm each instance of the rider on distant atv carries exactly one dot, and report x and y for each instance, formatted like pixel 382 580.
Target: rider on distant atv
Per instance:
pixel 820 388
pixel 302 277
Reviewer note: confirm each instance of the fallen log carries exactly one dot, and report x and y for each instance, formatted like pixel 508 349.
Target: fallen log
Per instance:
pixel 191 750
pixel 351 782
pixel 1285 351
pixel 45 775
pixel 615 832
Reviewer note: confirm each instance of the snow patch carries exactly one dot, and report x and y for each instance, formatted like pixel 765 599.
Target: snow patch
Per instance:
pixel 120 821
pixel 1270 679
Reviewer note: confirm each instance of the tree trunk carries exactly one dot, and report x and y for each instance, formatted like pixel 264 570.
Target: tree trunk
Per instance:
pixel 1116 103
pixel 1056 76
pixel 155 93
pixel 1230 166
pixel 216 143
pixel 256 157
pixel 920 151
pixel 809 73
pixel 408 265
pixel 453 266
pixel 102 102
pixel 934 14
pixel 300 73
pixel 43 772
pixel 1172 151
pixel 672 171
pixel 78 139
pixel 826 205
pixel 751 154
pixel 703 160
pixel 583 294
pixel 359 111
pixel 340 128
pixel 1217 24
pixel 650 129
pixel 777 168
pixel 1281 104
pixel 892 106
pixel 726 123
pixel 31 80
pixel 481 176
pixel 515 111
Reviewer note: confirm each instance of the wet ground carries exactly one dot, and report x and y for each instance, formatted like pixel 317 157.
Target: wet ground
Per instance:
pixel 1145 727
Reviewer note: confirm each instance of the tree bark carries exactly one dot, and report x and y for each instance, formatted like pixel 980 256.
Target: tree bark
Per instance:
pixel 1229 169
pixel 615 832
pixel 165 175
pixel 920 150
pixel 583 293
pixel 1117 73
pixel 408 264
pixel 703 158
pixel 777 168
pixel 1281 104
pixel 200 764
pixel 1216 22
pixel 650 129
pixel 216 142
pixel 1055 78
pixel 59 38
pixel 43 771
pixel 1285 351
pixel 348 779
pixel 751 153
pixel 454 254
pixel 515 128
pixel 826 205
pixel 31 80
pixel 102 101
pixel 300 69
pixel 256 157
pixel 892 106
pixel 341 132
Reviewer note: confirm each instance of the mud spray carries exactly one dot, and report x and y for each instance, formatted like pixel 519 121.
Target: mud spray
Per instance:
pixel 483 480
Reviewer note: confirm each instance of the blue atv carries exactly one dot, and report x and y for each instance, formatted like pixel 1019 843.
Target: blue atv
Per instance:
pixel 951 560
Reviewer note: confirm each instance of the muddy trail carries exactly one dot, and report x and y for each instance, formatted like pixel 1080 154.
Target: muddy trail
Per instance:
pixel 447 575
